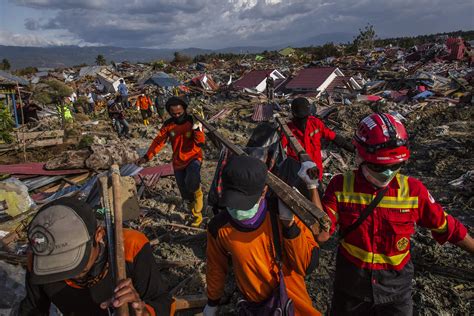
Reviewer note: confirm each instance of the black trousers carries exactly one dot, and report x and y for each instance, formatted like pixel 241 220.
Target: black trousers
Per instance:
pixel 344 304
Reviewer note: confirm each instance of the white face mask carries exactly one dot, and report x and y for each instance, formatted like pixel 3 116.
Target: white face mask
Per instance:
pixel 379 179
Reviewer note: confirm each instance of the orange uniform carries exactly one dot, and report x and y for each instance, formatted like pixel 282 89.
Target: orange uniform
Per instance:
pixel 143 102
pixel 253 262
pixel 185 141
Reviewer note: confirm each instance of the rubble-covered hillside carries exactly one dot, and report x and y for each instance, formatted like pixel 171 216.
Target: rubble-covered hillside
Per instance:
pixel 46 153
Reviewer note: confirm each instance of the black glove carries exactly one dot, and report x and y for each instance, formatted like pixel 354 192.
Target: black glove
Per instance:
pixel 343 143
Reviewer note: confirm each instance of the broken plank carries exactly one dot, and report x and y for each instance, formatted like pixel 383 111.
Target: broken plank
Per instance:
pixel 190 301
pixel 72 181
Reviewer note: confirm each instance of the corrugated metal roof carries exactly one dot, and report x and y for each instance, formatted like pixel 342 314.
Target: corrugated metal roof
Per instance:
pixel 252 79
pixel 262 112
pixel 8 78
pixel 310 78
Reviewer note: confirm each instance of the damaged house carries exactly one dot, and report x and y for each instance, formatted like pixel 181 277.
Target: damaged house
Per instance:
pixel 257 80
pixel 319 80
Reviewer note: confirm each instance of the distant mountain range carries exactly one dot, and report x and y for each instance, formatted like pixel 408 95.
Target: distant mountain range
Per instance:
pixel 65 56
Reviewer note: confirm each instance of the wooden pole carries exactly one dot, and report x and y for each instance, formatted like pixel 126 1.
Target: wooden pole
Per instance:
pixel 119 247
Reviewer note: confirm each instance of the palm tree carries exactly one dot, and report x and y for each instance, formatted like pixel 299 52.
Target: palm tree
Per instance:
pixel 100 60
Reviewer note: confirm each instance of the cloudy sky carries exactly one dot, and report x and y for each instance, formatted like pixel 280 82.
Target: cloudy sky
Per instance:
pixel 218 23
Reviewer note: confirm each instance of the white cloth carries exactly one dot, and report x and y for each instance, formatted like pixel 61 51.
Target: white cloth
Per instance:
pixel 284 212
pixel 303 174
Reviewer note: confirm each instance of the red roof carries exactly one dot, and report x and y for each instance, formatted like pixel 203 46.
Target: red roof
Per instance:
pixel 337 82
pixel 310 78
pixel 252 79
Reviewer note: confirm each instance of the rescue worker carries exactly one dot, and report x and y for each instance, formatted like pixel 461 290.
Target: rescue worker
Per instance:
pixel 117 115
pixel 144 105
pixel 186 138
pixel 373 269
pixel 69 266
pixel 309 130
pixel 243 233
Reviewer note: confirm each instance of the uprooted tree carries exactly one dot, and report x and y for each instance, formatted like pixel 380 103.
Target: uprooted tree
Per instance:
pixel 366 38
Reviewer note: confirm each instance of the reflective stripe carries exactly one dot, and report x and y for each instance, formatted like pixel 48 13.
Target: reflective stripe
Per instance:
pixel 444 227
pixel 387 201
pixel 333 212
pixel 314 132
pixel 370 257
pixel 402 200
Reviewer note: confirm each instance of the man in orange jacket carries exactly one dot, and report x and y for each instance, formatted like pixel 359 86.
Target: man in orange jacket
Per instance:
pixel 144 105
pixel 373 269
pixel 186 138
pixel 243 233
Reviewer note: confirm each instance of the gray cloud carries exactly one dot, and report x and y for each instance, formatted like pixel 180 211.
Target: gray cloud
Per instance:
pixel 220 23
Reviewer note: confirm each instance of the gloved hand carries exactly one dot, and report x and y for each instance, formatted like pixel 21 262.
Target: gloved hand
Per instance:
pixel 209 310
pixel 286 216
pixel 197 126
pixel 303 174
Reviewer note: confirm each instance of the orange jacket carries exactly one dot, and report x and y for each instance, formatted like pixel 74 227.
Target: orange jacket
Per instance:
pixel 254 266
pixel 143 102
pixel 185 141
pixel 382 241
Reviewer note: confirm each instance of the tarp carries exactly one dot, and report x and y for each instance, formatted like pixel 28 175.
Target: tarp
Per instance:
pixel 163 80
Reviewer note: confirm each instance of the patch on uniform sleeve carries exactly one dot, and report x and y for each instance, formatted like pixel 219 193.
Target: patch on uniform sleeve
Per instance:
pixel 172 134
pixel 402 243
pixel 432 200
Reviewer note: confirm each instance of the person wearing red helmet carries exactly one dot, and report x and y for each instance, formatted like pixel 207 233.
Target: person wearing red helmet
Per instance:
pixel 376 208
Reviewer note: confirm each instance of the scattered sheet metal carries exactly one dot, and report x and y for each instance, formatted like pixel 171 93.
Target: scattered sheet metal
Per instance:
pixel 36 168
pixel 221 114
pixel 262 112
pixel 39 182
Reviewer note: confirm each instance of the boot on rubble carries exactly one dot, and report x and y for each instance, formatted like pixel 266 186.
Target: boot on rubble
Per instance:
pixel 196 208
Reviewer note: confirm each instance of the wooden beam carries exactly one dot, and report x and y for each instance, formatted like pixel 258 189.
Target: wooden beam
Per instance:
pixel 190 301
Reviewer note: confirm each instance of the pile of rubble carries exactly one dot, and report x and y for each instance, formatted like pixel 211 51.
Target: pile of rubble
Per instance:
pixel 430 89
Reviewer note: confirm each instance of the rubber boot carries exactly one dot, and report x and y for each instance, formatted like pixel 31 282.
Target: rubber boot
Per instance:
pixel 196 208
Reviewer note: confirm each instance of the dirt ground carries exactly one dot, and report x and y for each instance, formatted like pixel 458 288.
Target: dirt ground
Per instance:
pixel 443 283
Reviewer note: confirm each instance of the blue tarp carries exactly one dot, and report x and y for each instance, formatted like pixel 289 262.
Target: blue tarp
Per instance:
pixel 163 80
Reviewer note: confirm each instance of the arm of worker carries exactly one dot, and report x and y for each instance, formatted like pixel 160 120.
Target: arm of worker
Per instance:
pixel 145 290
pixel 329 203
pixel 444 227
pixel 216 269
pixel 198 134
pixel 36 302
pixel 299 245
pixel 156 145
pixel 344 143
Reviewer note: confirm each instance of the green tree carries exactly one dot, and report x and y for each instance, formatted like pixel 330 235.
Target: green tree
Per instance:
pixel 100 60
pixel 5 64
pixel 366 37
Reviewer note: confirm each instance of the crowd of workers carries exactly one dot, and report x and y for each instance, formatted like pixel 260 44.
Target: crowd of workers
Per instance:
pixel 374 208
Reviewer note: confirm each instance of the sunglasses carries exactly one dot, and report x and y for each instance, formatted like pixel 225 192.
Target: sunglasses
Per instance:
pixel 382 168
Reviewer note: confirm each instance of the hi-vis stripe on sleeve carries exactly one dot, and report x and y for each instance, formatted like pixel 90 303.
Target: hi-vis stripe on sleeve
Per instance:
pixel 370 257
pixel 444 227
pixel 402 200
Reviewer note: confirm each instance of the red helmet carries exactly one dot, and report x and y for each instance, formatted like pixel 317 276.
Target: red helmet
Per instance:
pixel 381 139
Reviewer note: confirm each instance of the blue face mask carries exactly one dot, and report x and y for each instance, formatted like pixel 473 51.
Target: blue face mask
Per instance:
pixel 242 215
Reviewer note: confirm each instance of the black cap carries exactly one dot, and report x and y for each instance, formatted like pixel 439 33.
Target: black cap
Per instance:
pixel 300 107
pixel 175 101
pixel 243 180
